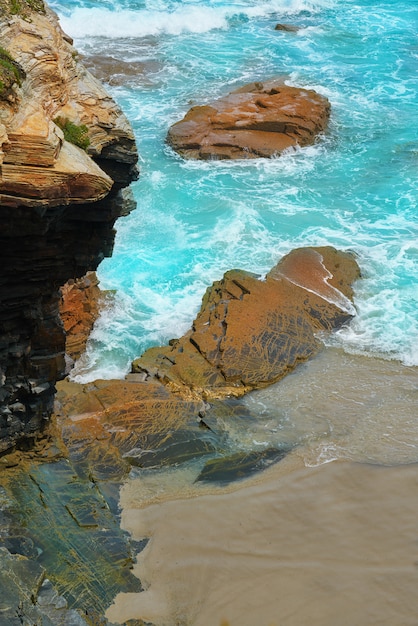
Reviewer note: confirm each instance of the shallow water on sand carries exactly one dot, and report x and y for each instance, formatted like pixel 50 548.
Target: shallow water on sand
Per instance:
pixel 319 546
pixel 308 541
pixel 342 406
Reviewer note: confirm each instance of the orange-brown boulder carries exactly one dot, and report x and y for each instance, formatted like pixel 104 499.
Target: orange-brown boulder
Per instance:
pixel 250 331
pixel 258 120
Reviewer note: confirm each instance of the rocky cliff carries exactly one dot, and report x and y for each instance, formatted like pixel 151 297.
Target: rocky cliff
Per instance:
pixel 67 153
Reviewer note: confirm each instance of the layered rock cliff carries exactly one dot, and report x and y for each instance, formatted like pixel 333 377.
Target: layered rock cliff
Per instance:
pixel 58 202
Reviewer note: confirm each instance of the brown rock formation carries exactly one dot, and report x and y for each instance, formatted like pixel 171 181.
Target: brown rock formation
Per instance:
pixel 58 204
pixel 101 422
pixel 258 120
pixel 79 308
pixel 251 332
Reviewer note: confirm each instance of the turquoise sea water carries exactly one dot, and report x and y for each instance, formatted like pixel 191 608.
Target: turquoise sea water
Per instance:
pixel 356 189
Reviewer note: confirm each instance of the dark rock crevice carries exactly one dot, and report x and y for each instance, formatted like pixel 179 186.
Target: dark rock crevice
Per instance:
pixel 64 243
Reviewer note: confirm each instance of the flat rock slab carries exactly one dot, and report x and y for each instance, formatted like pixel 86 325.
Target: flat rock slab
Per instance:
pixel 27 597
pixel 258 120
pixel 110 425
pixel 81 548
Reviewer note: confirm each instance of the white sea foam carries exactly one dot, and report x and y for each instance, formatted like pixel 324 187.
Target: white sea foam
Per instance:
pixel 105 23
pixel 166 18
pixel 386 323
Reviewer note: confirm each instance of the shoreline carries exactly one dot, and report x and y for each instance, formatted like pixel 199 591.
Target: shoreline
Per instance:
pixel 318 544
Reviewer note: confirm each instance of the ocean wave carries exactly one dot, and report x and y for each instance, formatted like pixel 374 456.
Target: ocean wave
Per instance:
pixel 117 22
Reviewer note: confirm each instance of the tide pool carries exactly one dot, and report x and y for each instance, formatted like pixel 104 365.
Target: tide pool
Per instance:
pixel 355 189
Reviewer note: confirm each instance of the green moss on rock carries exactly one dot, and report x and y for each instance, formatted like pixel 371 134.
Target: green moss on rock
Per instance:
pixel 11 74
pixel 23 8
pixel 76 134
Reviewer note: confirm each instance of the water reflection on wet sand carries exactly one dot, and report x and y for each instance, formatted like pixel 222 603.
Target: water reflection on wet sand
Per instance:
pixel 307 541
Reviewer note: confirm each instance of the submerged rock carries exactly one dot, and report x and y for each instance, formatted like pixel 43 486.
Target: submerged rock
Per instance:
pixel 229 468
pixel 27 597
pixel 179 447
pixel 288 28
pixel 110 425
pixel 261 119
pixel 76 543
pixel 117 72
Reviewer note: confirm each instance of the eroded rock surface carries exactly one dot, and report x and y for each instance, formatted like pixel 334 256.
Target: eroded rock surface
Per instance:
pixel 258 120
pixel 250 332
pixel 180 400
pixel 108 423
pixel 109 427
pixel 63 555
pixel 28 597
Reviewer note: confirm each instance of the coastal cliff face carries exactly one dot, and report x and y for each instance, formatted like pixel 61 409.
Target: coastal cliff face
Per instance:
pixel 58 202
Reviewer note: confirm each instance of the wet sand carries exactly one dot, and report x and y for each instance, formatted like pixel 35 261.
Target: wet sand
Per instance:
pixel 318 544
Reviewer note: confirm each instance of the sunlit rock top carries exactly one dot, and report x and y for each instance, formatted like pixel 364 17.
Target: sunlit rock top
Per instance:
pixel 56 119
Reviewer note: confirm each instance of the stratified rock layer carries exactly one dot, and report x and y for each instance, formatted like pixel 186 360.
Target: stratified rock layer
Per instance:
pixel 58 204
pixel 250 331
pixel 258 120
